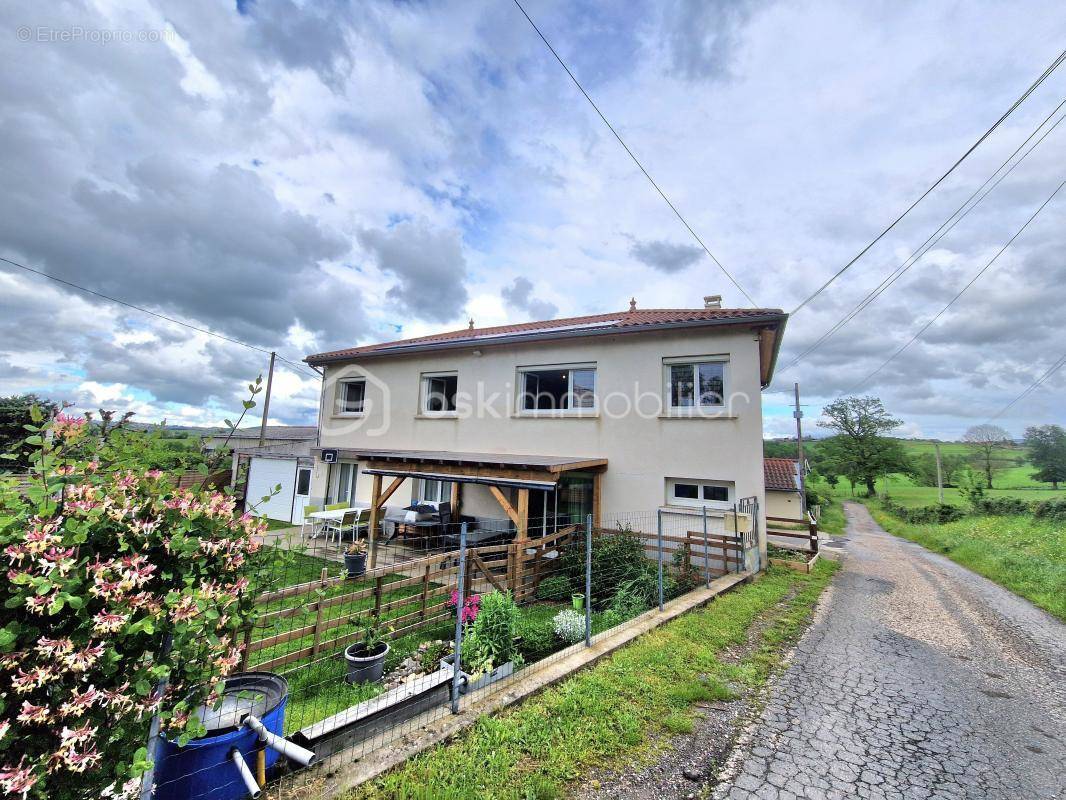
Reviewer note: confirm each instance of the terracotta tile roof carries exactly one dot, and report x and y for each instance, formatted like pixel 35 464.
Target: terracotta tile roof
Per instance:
pixel 570 326
pixel 780 474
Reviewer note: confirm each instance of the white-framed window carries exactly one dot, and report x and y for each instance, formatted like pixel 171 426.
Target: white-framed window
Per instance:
pixel 438 392
pixel 561 388
pixel 695 383
pixel 303 481
pixel 432 491
pixel 351 396
pixel 698 493
pixel 342 481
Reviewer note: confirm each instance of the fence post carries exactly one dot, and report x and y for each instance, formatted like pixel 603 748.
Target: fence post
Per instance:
pixel 660 548
pixel 317 644
pixel 707 550
pixel 588 581
pixel 742 554
pixel 812 530
pixel 457 662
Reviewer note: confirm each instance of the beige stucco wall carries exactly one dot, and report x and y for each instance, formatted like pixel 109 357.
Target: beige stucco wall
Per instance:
pixel 783 504
pixel 641 450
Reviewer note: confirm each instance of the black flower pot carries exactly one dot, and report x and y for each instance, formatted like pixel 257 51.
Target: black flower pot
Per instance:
pixel 355 564
pixel 365 664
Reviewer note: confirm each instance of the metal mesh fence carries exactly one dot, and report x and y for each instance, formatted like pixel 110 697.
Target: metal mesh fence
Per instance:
pixel 368 647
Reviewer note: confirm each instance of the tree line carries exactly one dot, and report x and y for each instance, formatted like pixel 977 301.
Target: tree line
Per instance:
pixel 861 450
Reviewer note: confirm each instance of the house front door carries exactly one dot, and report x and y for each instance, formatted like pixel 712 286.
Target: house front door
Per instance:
pixel 301 495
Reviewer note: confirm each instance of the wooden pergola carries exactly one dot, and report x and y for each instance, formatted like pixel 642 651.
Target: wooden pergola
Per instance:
pixel 494 470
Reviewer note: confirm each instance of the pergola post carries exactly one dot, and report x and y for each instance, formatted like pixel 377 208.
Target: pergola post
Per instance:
pixel 597 501
pixel 375 509
pixel 521 540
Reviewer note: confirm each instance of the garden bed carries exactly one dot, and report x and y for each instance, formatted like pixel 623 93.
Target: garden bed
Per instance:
pixel 798 560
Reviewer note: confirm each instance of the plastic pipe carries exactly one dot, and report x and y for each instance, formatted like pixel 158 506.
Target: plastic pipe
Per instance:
pixel 290 750
pixel 246 774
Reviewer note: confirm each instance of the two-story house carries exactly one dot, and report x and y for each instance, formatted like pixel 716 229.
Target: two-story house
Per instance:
pixel 638 410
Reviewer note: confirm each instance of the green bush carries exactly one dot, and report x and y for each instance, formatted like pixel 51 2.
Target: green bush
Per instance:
pixel 685 574
pixel 489 640
pixel 536 639
pixel 1001 506
pixel 557 587
pixel 617 557
pixel 626 604
pixel 936 514
pixel 1050 509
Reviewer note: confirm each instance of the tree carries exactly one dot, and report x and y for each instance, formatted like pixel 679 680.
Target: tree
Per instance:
pixel 14 414
pixel 860 451
pixel 1047 450
pixel 987 439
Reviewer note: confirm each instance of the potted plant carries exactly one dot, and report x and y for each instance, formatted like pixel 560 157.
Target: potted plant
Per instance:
pixel 366 658
pixel 489 649
pixel 355 558
pixel 578 601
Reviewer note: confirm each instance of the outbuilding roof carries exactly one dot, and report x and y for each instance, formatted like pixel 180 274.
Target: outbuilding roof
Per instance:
pixel 780 474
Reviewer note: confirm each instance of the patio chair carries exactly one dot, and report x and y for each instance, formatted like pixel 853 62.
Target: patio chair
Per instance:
pixel 336 506
pixel 309 522
pixel 353 522
pixel 339 527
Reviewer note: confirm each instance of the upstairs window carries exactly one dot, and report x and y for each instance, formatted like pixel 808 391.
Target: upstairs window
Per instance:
pixel 351 396
pixel 557 389
pixel 699 384
pixel 438 392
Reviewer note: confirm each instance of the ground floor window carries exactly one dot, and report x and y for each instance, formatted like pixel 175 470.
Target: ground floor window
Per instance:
pixel 342 482
pixel 693 492
pixel 575 497
pixel 431 491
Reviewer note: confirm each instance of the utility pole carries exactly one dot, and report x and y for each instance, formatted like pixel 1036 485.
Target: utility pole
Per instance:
pixel 939 474
pixel 798 414
pixel 266 401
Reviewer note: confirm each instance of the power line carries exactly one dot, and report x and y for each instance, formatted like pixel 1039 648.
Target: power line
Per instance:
pixel 1031 387
pixel 951 302
pixel 1043 76
pixel 296 366
pixel 636 161
pixel 935 237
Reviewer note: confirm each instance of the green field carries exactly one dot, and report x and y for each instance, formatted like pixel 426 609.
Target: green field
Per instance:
pixel 1024 555
pixel 903 490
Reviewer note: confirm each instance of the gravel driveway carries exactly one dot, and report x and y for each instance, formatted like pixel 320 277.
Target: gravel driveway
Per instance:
pixel 918 679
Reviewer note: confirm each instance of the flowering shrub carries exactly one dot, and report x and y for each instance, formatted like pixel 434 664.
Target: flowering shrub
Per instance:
pixel 569 625
pixel 125 598
pixel 471 605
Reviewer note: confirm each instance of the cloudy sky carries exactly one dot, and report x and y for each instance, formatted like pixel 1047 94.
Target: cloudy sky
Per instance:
pixel 304 176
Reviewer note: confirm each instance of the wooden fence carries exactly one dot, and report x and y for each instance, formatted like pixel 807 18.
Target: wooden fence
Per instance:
pixel 805 532
pixel 518 567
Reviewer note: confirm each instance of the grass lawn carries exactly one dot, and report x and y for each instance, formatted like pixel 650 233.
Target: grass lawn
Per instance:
pixel 610 713
pixel 1020 553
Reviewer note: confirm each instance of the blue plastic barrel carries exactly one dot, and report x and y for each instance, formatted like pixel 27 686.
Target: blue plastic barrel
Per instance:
pixel 202 769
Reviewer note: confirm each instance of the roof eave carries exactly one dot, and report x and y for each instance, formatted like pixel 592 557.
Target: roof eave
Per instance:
pixel 763 319
pixel 779 336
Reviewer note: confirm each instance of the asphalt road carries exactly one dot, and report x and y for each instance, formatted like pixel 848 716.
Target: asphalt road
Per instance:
pixel 918 679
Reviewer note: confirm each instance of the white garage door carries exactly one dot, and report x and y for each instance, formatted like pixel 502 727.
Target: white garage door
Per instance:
pixel 263 475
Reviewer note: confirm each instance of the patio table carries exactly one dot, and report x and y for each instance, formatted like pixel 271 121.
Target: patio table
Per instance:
pixel 336 515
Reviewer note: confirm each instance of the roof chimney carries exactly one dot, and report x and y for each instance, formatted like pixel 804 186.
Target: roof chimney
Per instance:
pixel 632 304
pixel 712 301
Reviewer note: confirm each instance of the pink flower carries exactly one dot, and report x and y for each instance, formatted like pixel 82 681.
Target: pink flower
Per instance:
pixel 68 427
pixel 154 474
pixel 109 622
pixel 33 714
pixel 25 682
pixel 17 780
pixel 81 660
pixel 53 647
pixel 80 702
